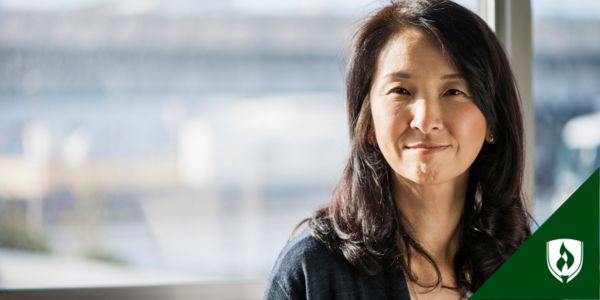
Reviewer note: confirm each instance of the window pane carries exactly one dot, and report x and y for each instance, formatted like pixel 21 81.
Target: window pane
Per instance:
pixel 165 141
pixel 566 98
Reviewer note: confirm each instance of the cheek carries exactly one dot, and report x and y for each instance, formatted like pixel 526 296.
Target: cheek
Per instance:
pixel 389 124
pixel 469 126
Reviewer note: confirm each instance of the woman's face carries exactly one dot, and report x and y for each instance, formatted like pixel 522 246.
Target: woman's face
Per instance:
pixel 426 123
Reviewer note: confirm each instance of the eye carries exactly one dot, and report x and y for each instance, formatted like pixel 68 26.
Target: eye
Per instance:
pixel 400 91
pixel 454 92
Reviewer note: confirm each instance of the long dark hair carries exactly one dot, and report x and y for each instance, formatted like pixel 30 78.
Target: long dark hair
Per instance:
pixel 361 221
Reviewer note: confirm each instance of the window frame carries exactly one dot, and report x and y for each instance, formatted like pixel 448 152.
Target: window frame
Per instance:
pixel 512 22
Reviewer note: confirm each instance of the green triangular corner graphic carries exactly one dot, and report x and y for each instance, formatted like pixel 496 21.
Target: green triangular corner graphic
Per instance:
pixel 526 275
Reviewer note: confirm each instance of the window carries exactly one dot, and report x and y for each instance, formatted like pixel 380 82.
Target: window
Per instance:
pixel 153 142
pixel 566 98
pixel 164 141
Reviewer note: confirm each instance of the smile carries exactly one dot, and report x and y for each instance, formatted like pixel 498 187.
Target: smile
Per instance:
pixel 426 149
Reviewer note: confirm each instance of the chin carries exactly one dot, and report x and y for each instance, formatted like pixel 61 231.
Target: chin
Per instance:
pixel 425 179
pixel 428 176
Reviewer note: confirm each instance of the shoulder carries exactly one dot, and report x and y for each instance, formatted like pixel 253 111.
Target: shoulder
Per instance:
pixel 307 269
pixel 304 250
pixel 304 264
pixel 303 254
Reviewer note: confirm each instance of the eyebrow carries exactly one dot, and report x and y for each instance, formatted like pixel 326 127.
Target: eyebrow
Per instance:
pixel 452 76
pixel 398 74
pixel 406 75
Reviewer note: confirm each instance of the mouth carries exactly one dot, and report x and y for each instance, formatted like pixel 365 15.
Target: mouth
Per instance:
pixel 426 148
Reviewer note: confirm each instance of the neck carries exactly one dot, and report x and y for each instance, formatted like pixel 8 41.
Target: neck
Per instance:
pixel 431 214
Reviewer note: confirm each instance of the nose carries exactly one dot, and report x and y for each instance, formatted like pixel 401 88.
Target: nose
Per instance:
pixel 426 116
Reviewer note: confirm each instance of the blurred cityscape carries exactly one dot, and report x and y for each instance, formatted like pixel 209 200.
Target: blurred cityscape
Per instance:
pixel 188 144
pixel 144 148
pixel 566 72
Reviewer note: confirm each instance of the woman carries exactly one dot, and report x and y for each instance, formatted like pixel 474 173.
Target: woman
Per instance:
pixel 430 202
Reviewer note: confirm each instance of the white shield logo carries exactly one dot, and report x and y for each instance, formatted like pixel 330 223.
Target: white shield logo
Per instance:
pixel 564 258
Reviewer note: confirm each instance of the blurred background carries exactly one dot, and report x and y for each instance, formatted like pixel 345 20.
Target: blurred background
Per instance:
pixel 151 142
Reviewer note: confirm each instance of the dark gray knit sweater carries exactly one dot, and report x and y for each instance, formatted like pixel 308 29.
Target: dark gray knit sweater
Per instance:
pixel 306 269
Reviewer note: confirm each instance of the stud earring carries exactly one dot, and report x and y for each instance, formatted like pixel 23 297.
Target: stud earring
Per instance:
pixel 491 138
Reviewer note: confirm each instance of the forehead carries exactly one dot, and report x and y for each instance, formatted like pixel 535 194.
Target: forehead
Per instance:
pixel 413 50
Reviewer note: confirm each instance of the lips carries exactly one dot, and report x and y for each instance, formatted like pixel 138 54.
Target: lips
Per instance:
pixel 422 148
